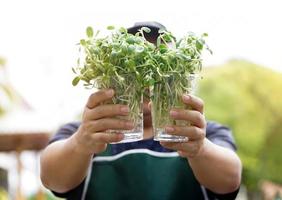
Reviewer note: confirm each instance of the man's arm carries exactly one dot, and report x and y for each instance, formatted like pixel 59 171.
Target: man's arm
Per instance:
pixel 215 167
pixel 64 163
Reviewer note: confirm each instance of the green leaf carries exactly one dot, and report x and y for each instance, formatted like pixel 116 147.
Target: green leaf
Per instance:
pixel 131 48
pixel 130 40
pixel 124 48
pixel 138 40
pixel 89 32
pixel 199 45
pixel 163 48
pixel 97 33
pixel 123 30
pixel 78 62
pixel 75 81
pixel 158 41
pixel 167 38
pixel 110 28
pixel 83 42
pixel 146 29
pixel 73 70
pixel 209 50
pixel 139 49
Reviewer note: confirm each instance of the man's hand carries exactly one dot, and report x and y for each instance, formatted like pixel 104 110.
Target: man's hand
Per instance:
pixel 91 136
pixel 196 132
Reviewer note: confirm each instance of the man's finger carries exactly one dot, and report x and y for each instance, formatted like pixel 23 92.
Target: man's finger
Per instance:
pixel 108 110
pixel 195 117
pixel 192 132
pixel 108 123
pixel 107 137
pixel 99 97
pixel 195 102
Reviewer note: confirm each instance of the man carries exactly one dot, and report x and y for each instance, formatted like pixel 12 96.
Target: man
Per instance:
pixel 80 162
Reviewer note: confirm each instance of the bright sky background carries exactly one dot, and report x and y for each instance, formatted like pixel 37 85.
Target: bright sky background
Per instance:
pixel 37 38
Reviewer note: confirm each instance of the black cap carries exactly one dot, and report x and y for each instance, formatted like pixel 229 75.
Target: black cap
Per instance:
pixel 154 26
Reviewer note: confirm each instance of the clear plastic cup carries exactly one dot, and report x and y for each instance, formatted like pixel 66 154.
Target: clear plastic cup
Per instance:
pixel 128 93
pixel 165 97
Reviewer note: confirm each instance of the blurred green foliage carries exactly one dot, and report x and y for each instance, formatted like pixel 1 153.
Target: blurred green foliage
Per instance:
pixel 248 98
pixel 3 194
pixel 6 93
pixel 2 62
pixel 46 196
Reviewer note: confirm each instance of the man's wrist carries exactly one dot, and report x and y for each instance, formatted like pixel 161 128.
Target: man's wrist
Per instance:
pixel 78 147
pixel 202 151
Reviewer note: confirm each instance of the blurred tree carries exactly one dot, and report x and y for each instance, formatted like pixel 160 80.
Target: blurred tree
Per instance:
pixel 248 98
pixel 5 92
pixel 2 62
pixel 9 97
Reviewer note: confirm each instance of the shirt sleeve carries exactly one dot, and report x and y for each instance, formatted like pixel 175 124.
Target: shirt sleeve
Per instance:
pixel 220 135
pixel 229 196
pixel 73 194
pixel 65 131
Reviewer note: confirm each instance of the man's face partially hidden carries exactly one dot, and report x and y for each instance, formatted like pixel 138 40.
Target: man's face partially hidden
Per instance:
pixel 147 118
pixel 147 114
